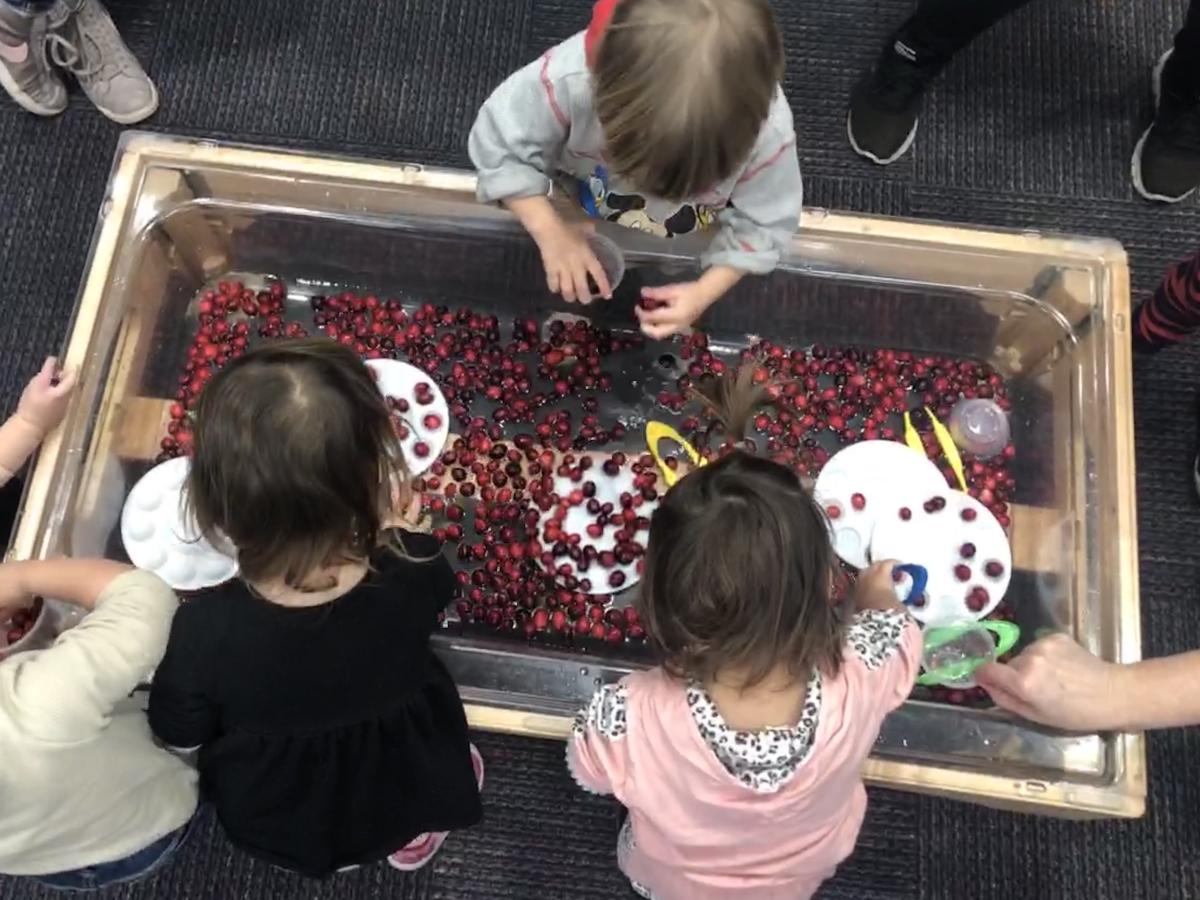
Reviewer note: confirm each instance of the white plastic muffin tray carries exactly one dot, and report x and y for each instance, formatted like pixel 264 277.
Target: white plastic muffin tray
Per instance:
pixel 868 480
pixel 158 538
pixel 398 380
pixel 608 490
pixel 956 544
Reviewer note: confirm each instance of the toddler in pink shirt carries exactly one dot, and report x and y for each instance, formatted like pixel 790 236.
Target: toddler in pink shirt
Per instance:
pixel 739 759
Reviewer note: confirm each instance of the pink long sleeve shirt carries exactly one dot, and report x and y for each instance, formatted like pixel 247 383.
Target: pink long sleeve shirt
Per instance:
pixel 718 814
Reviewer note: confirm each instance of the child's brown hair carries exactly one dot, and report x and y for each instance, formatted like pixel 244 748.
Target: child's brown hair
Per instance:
pixel 683 88
pixel 739 564
pixel 295 459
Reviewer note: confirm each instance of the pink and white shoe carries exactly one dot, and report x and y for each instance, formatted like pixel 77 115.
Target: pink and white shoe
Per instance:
pixel 421 849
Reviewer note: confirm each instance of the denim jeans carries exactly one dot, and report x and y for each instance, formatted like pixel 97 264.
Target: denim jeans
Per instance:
pixel 142 864
pixel 33 6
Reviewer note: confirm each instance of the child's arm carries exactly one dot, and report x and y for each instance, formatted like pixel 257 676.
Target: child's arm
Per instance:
pixel 884 637
pixel 67 692
pixel 515 141
pixel 42 406
pixel 180 713
pixel 596 755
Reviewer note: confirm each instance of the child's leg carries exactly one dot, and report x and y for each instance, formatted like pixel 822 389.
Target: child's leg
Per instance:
pixel 421 849
pixel 25 73
pixel 1172 312
pixel 136 866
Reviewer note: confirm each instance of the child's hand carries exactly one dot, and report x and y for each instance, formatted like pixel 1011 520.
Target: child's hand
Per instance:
pixel 675 307
pixel 569 261
pixel 44 400
pixel 875 588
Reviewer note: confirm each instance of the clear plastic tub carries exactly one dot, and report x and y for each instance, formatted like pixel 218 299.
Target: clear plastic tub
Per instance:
pixel 1047 312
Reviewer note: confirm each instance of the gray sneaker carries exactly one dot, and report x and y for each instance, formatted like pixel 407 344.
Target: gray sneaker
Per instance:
pixel 25 72
pixel 88 45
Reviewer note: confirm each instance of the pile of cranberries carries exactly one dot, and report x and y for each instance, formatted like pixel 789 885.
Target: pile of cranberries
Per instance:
pixel 525 408
pixel 22 622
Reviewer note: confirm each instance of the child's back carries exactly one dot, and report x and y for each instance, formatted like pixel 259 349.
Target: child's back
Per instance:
pixel 329 733
pixel 740 758
pixel 721 813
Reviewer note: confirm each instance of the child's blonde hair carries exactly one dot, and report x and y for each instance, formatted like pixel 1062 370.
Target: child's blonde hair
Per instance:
pixel 295 460
pixel 683 88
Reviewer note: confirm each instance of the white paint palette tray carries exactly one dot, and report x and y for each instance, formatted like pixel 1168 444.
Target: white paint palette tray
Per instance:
pixel 428 423
pixel 158 538
pixel 865 482
pixel 608 490
pixel 963 549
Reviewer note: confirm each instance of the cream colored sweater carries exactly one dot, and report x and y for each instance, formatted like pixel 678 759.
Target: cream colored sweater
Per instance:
pixel 81 781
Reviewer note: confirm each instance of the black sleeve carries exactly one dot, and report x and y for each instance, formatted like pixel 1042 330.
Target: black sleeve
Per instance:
pixel 427 554
pixel 182 714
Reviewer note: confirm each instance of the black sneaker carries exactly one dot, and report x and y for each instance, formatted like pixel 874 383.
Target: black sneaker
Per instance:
pixel 885 104
pixel 1166 160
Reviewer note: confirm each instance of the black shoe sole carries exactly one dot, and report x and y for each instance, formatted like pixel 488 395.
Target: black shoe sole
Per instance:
pixel 867 154
pixel 1135 168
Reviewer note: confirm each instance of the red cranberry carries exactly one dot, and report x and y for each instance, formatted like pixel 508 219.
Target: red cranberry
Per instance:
pixel 962 572
pixel 968 514
pixel 616 579
pixel 858 501
pixel 432 422
pixel 421 449
pixel 905 513
pixel 833 511
pixel 967 551
pixel 993 568
pixel 977 599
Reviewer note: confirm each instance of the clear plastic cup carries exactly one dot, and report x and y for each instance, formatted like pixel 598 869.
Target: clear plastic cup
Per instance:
pixel 952 653
pixel 611 259
pixel 979 426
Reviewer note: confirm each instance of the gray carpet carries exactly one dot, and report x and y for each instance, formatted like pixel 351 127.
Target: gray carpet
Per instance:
pixel 1031 127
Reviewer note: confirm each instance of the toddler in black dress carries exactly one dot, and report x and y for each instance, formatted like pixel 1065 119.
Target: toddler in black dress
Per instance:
pixel 329 734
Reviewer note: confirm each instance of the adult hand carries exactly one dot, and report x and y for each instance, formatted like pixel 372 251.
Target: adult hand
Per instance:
pixel 44 401
pixel 1056 682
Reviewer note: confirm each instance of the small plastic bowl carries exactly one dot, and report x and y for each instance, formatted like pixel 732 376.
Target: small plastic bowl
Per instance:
pixel 979 426
pixel 34 631
pixel 610 258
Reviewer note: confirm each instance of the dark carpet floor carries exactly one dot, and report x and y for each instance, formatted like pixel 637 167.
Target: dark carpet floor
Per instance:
pixel 1032 127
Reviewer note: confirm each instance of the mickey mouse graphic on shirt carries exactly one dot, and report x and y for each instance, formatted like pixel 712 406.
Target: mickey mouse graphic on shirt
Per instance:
pixel 601 202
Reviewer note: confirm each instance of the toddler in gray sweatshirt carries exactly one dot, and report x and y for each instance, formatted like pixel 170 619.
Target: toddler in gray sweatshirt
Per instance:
pixel 666 116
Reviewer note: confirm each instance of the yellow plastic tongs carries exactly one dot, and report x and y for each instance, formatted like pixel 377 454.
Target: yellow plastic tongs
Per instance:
pixel 661 431
pixel 945 441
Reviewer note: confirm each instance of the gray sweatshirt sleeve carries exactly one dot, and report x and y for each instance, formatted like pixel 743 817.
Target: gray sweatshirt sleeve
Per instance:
pixel 519 133
pixel 763 212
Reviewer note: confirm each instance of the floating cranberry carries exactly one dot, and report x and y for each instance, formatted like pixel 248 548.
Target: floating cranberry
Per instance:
pixel 833 511
pixel 968 514
pixel 905 513
pixel 858 501
pixel 977 599
pixel 616 578
pixel 993 568
pixel 962 572
pixel 967 551
pixel 421 449
pixel 935 504
pixel 432 422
